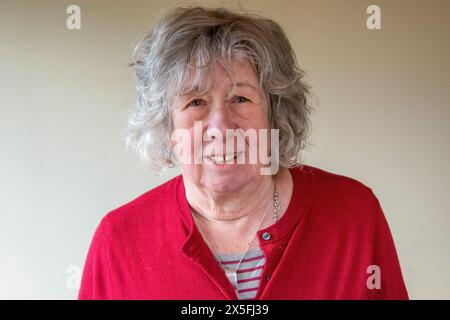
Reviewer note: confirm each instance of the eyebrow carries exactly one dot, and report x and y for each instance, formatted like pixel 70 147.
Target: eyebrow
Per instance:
pixel 238 84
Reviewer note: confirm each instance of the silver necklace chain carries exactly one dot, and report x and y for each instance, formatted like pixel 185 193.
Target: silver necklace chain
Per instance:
pixel 276 209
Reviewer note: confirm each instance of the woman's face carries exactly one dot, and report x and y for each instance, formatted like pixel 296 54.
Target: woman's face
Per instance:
pixel 218 167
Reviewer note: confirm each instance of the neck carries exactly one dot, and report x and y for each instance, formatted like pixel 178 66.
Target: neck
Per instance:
pixel 230 221
pixel 230 207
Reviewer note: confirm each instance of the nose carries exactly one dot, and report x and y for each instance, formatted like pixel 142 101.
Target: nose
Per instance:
pixel 219 120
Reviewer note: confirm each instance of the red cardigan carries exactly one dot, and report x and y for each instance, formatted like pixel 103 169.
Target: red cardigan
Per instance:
pixel 321 248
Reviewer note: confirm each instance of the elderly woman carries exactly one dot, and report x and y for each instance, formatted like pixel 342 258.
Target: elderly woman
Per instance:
pixel 220 95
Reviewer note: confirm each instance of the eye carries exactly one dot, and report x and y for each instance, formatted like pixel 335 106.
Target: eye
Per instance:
pixel 195 103
pixel 240 99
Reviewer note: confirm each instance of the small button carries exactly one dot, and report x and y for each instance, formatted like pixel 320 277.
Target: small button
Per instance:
pixel 268 277
pixel 266 236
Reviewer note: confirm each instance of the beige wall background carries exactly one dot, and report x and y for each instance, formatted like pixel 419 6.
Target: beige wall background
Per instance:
pixel 382 116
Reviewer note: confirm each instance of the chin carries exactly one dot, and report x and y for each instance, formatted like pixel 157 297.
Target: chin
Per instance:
pixel 226 183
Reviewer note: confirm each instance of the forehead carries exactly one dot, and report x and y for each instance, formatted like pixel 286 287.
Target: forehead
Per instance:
pixel 242 69
pixel 238 72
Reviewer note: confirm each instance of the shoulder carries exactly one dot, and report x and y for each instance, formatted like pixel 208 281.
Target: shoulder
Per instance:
pixel 338 196
pixel 140 213
pixel 332 182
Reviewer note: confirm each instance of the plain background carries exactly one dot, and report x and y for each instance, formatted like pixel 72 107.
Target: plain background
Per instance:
pixel 382 117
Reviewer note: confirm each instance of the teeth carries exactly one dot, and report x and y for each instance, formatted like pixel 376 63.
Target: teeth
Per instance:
pixel 222 159
pixel 218 159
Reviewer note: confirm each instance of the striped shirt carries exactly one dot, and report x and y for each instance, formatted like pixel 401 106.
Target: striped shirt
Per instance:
pixel 248 274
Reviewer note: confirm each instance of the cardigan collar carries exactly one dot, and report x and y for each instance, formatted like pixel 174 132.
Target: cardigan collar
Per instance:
pixel 197 250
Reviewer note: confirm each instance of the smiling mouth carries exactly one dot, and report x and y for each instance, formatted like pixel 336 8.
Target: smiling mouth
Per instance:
pixel 224 159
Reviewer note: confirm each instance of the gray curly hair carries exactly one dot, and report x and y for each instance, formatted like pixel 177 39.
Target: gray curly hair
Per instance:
pixel 190 41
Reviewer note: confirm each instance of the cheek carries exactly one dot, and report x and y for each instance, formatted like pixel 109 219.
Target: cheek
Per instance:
pixel 182 120
pixel 182 141
pixel 256 117
pixel 187 117
pixel 260 121
pixel 260 144
pixel 256 120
